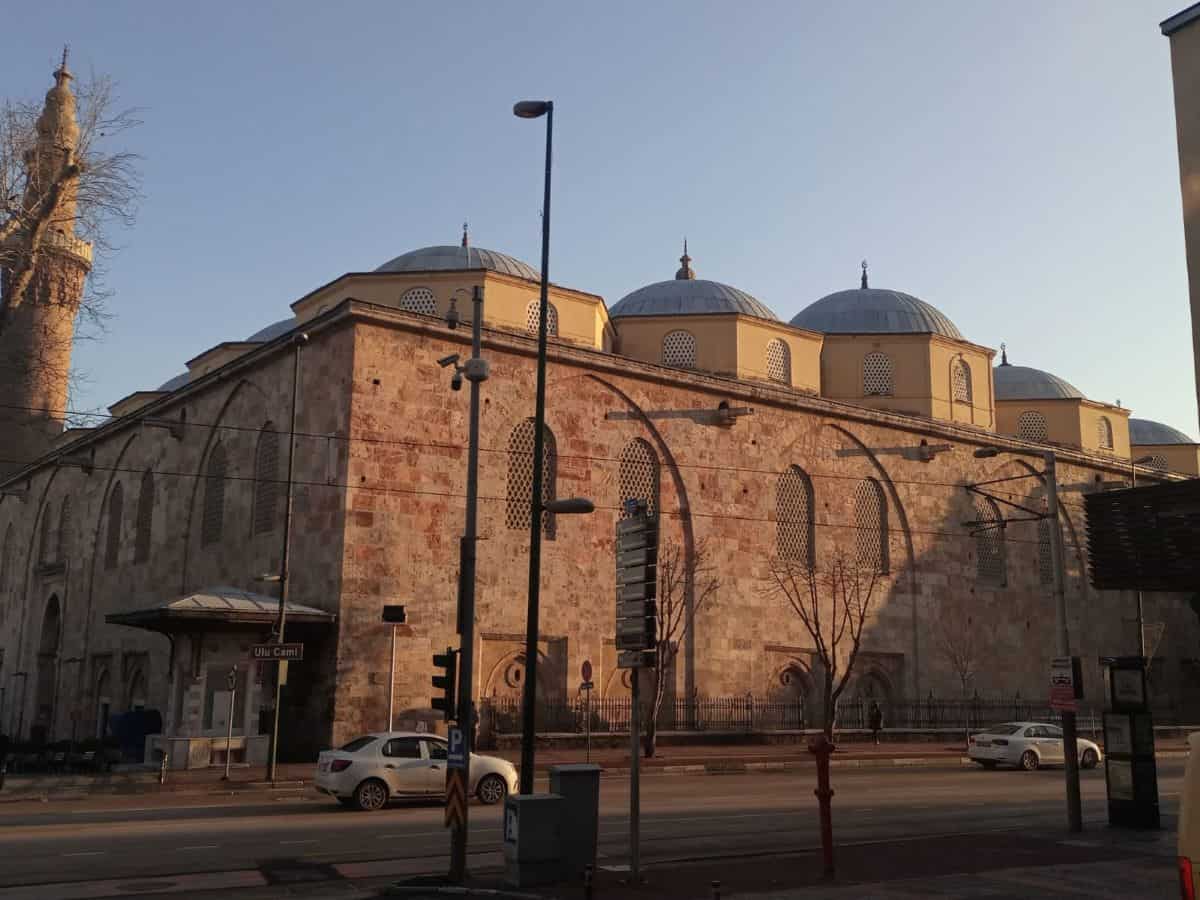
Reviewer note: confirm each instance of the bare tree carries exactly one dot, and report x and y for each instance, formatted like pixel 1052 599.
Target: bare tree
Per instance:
pixel 833 603
pixel 959 640
pixel 687 582
pixel 64 185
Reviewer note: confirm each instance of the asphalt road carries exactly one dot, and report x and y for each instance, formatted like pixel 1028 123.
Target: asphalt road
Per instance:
pixel 296 837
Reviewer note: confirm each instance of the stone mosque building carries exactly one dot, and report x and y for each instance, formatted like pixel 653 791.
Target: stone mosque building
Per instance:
pixel 132 552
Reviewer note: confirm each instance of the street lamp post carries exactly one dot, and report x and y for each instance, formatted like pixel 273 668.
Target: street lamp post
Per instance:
pixel 1141 620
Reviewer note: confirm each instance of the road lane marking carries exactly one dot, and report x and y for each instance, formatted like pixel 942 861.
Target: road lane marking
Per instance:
pixel 308 841
pixel 86 853
pixel 199 847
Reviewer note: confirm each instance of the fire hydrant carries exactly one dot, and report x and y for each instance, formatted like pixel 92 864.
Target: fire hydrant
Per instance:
pixel 822 748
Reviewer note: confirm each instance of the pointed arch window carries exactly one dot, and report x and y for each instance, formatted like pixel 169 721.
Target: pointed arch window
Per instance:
pixel 1031 426
pixel 870 527
pixel 1104 433
pixel 64 530
pixel 45 547
pixel 533 320
pixel 6 567
pixel 212 516
pixel 266 480
pixel 520 477
pixel 779 361
pixel 679 350
pixel 877 375
pixel 638 477
pixel 112 533
pixel 794 520
pixel 419 300
pixel 145 518
pixel 961 376
pixel 990 563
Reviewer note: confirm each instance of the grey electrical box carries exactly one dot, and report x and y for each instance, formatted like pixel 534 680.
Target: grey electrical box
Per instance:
pixel 532 849
pixel 579 786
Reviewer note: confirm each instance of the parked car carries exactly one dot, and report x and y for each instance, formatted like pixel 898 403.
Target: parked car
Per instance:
pixel 375 768
pixel 1027 745
pixel 1189 824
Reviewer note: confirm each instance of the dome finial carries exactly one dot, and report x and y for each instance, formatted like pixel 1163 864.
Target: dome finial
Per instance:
pixel 864 275
pixel 685 272
pixel 1004 354
pixel 465 240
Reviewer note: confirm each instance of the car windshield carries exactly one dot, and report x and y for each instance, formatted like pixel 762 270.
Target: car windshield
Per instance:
pixel 357 744
pixel 1006 728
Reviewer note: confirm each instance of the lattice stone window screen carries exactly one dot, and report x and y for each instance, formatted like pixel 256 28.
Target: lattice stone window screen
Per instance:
pixel 1031 426
pixel 532 320
pixel 870 526
pixel 419 300
pixel 112 536
pixel 877 375
pixel 212 517
pixel 962 381
pixel 679 350
pixel 989 543
pixel 266 480
pixel 794 525
pixel 145 519
pixel 1045 553
pixel 1158 461
pixel 638 476
pixel 520 477
pixel 779 361
pixel 1104 433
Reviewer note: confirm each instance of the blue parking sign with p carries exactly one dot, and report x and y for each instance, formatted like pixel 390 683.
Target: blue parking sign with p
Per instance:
pixel 456 755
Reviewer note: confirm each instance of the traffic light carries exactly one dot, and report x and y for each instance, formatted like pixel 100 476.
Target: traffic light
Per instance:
pixel 448 701
pixel 637 588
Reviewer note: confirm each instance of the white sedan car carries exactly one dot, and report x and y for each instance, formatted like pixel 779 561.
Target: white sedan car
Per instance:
pixel 375 768
pixel 1027 745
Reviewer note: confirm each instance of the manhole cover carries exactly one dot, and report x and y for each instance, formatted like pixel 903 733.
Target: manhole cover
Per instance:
pixel 134 887
pixel 291 871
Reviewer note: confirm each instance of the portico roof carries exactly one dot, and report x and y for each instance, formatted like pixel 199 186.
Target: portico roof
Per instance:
pixel 217 608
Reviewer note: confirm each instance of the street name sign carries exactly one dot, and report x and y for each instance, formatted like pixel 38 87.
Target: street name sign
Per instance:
pixel 293 652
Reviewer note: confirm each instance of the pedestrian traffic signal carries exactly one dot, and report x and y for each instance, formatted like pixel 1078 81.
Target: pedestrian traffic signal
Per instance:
pixel 445 682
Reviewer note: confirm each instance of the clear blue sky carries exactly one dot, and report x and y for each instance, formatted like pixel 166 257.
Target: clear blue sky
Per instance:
pixel 1012 163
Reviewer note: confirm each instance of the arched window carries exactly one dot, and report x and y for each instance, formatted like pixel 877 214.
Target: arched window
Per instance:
pixel 1045 553
pixel 212 517
pixel 1104 433
pixel 877 375
pixel 532 319
pixel 419 300
pixel 103 703
pixel 1031 426
pixel 6 567
pixel 64 529
pixel 1158 461
pixel 520 477
pixel 779 361
pixel 112 533
pixel 136 697
pixel 679 350
pixel 266 480
pixel 989 543
pixel 45 548
pixel 870 526
pixel 145 519
pixel 638 476
pixel 794 525
pixel 961 375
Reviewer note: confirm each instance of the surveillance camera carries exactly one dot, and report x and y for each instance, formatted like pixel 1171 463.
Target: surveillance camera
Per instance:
pixel 456 382
pixel 448 360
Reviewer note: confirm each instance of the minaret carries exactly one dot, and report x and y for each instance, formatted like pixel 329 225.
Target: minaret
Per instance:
pixel 37 329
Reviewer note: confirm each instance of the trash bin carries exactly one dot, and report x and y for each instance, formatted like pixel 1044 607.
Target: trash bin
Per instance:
pixel 579 786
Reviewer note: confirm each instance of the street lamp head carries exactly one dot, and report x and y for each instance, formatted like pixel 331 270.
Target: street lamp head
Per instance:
pixel 570 506
pixel 452 315
pixel 987 452
pixel 1143 460
pixel 532 109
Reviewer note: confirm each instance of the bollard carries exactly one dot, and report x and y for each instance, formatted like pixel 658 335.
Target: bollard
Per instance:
pixel 587 883
pixel 716 890
pixel 821 747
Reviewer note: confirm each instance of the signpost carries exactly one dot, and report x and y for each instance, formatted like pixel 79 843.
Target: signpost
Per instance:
pixel 283 652
pixel 1064 679
pixel 456 778
pixel 587 685
pixel 637 637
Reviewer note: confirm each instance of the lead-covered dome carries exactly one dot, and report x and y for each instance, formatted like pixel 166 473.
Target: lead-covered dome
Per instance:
pixel 688 295
pixel 1148 433
pixel 448 258
pixel 1025 383
pixel 868 310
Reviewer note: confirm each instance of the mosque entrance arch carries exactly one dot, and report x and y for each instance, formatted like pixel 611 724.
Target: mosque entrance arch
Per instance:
pixel 793 696
pixel 47 671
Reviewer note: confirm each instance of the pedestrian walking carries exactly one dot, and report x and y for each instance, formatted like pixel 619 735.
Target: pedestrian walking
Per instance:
pixel 876 720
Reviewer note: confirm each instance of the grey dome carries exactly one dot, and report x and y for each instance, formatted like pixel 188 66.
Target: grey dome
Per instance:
pixel 1147 433
pixel 449 257
pixel 874 311
pixel 272 331
pixel 688 296
pixel 175 383
pixel 1024 383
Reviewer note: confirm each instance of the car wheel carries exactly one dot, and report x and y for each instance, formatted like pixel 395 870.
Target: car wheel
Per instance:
pixel 371 795
pixel 1089 759
pixel 491 789
pixel 987 763
pixel 1029 761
